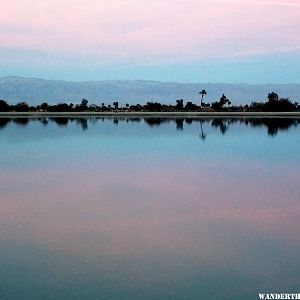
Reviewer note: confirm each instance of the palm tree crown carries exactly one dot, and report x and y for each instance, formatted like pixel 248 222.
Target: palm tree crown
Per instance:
pixel 202 93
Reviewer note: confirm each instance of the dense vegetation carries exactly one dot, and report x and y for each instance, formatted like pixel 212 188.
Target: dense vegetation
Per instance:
pixel 273 104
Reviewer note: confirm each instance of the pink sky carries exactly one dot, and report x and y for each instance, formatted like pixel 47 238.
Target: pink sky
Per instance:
pixel 249 41
pixel 139 30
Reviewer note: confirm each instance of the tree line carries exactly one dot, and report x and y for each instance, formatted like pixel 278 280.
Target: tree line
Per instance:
pixel 272 104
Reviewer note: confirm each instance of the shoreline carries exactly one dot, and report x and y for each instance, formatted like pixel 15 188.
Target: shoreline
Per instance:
pixel 153 114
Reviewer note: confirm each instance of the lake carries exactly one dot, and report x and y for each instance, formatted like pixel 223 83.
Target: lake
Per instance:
pixel 149 208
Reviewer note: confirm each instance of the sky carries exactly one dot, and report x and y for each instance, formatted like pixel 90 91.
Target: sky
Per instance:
pixel 253 41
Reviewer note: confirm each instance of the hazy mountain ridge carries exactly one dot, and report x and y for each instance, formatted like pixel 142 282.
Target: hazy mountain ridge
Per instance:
pixel 36 91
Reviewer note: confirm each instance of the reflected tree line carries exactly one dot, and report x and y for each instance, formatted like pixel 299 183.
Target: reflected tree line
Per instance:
pixel 273 125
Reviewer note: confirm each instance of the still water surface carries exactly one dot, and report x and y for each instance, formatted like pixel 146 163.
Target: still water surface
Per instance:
pixel 149 208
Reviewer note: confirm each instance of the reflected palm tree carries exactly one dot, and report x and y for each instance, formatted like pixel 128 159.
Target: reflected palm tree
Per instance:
pixel 203 135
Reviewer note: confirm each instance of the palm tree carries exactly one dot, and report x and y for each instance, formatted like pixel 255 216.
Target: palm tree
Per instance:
pixel 202 93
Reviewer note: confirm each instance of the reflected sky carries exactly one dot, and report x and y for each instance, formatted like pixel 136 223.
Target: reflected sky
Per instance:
pixel 140 210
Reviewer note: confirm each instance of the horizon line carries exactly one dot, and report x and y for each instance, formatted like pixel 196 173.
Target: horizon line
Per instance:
pixel 145 80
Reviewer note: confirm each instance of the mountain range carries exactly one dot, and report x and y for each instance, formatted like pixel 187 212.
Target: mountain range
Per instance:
pixel 35 91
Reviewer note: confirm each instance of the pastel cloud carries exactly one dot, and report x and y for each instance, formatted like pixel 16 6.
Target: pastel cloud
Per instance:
pixel 157 29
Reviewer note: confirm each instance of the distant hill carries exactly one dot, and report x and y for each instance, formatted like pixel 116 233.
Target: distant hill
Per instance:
pixel 36 91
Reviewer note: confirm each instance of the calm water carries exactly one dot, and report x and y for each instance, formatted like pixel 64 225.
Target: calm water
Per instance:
pixel 149 209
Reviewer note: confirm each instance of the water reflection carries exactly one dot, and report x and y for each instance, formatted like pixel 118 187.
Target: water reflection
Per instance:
pixel 273 125
pixel 219 123
pixel 60 121
pixel 179 124
pixel 43 121
pixel 21 121
pixel 202 135
pixel 4 122
pixel 138 208
pixel 156 121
